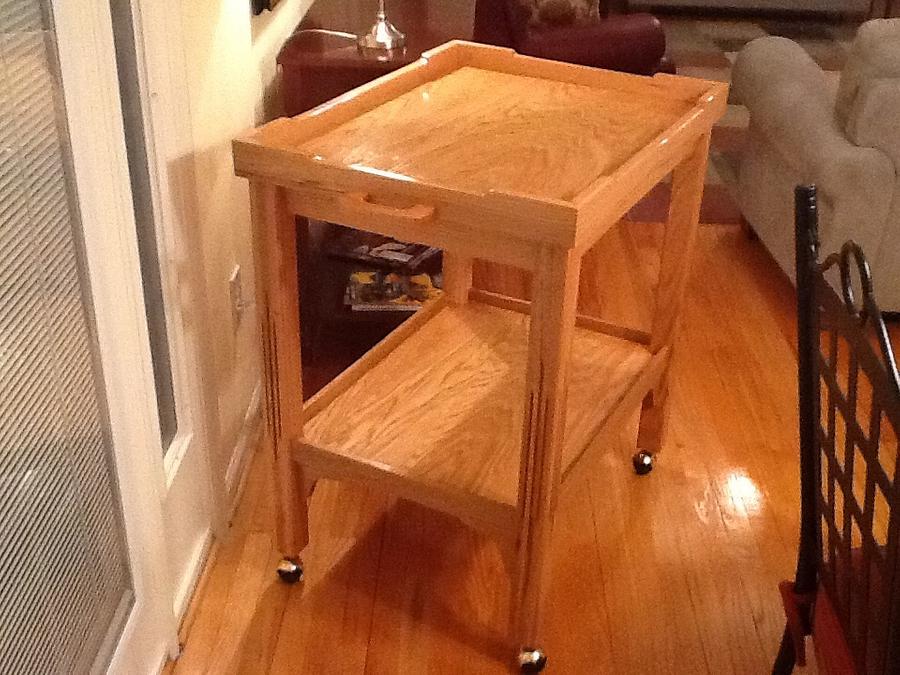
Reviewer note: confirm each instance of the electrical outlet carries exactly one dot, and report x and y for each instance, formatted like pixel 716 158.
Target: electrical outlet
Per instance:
pixel 236 290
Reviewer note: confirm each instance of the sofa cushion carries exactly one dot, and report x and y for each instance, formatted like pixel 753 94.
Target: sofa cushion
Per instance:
pixel 559 12
pixel 875 54
pixel 873 120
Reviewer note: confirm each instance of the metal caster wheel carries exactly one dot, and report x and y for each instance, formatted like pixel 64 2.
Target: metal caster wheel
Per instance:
pixel 532 660
pixel 642 462
pixel 289 571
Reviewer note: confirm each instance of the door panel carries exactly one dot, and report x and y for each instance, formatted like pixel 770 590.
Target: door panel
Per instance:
pixel 58 486
pixel 83 567
pixel 101 532
pixel 160 143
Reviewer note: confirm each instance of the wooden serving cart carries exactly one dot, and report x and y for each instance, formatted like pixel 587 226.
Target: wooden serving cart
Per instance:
pixel 480 405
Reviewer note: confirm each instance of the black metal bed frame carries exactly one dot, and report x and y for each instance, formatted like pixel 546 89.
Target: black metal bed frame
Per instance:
pixel 849 404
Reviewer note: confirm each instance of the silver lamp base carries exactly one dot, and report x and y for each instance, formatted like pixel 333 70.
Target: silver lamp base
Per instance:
pixel 383 36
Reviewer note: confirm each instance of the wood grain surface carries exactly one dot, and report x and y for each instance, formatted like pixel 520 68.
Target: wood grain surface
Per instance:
pixel 478 130
pixel 481 410
pixel 670 574
pixel 478 143
pixel 278 314
pixel 443 412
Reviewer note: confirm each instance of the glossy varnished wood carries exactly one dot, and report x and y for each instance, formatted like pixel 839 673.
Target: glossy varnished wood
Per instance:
pixel 675 573
pixel 478 131
pixel 277 291
pixel 370 359
pixel 440 417
pixel 480 412
pixel 530 150
pixel 674 268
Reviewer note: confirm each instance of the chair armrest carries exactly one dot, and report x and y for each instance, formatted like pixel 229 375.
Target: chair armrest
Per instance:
pixel 633 43
pixel 492 24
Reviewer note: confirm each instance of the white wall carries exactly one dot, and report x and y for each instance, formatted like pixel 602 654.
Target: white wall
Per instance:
pixel 230 64
pixel 269 30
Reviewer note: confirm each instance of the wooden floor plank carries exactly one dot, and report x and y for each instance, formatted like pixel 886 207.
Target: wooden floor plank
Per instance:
pixel 441 600
pixel 208 616
pixel 674 572
pixel 328 618
pixel 581 640
pixel 647 596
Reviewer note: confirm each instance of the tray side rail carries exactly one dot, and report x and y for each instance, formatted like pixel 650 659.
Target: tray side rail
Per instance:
pixel 602 204
pixel 485 514
pixel 372 358
pixel 447 226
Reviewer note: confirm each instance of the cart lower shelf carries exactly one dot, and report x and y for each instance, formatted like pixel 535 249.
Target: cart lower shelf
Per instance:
pixel 437 415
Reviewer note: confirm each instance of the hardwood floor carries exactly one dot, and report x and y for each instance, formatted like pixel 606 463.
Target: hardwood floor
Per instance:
pixel 674 572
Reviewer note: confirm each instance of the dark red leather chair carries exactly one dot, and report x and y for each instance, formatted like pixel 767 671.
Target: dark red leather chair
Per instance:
pixel 631 43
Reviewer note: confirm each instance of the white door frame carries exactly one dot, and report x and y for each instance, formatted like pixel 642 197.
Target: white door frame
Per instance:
pixel 169 140
pixel 195 482
pixel 88 70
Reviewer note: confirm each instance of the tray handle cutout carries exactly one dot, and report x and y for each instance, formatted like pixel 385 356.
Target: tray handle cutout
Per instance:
pixel 416 213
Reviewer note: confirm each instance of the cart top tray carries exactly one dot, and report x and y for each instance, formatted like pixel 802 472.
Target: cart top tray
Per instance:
pixel 475 130
pixel 540 150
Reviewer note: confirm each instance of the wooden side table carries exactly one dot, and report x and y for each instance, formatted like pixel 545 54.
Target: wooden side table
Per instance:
pixel 481 406
pixel 315 68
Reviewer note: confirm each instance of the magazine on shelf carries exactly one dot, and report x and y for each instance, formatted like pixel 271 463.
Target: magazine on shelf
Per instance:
pixel 379 291
pixel 377 250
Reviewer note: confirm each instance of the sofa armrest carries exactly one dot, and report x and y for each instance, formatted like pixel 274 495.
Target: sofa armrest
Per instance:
pixel 807 138
pixel 792 106
pixel 772 66
pixel 632 43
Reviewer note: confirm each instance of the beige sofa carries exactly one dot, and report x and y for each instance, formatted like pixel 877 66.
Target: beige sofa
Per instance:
pixel 845 139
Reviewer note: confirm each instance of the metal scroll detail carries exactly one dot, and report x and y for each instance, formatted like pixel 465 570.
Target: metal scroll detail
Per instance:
pixel 861 303
pixel 848 529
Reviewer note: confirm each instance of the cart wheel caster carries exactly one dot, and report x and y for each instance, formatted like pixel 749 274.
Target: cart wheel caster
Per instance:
pixel 642 462
pixel 532 660
pixel 289 571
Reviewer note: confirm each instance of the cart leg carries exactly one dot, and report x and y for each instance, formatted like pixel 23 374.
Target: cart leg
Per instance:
pixel 457 277
pixel 309 484
pixel 674 270
pixel 652 427
pixel 550 338
pixel 278 309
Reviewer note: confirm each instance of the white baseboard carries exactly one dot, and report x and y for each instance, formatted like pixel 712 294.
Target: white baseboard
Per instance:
pixel 185 592
pixel 246 443
pixel 235 477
